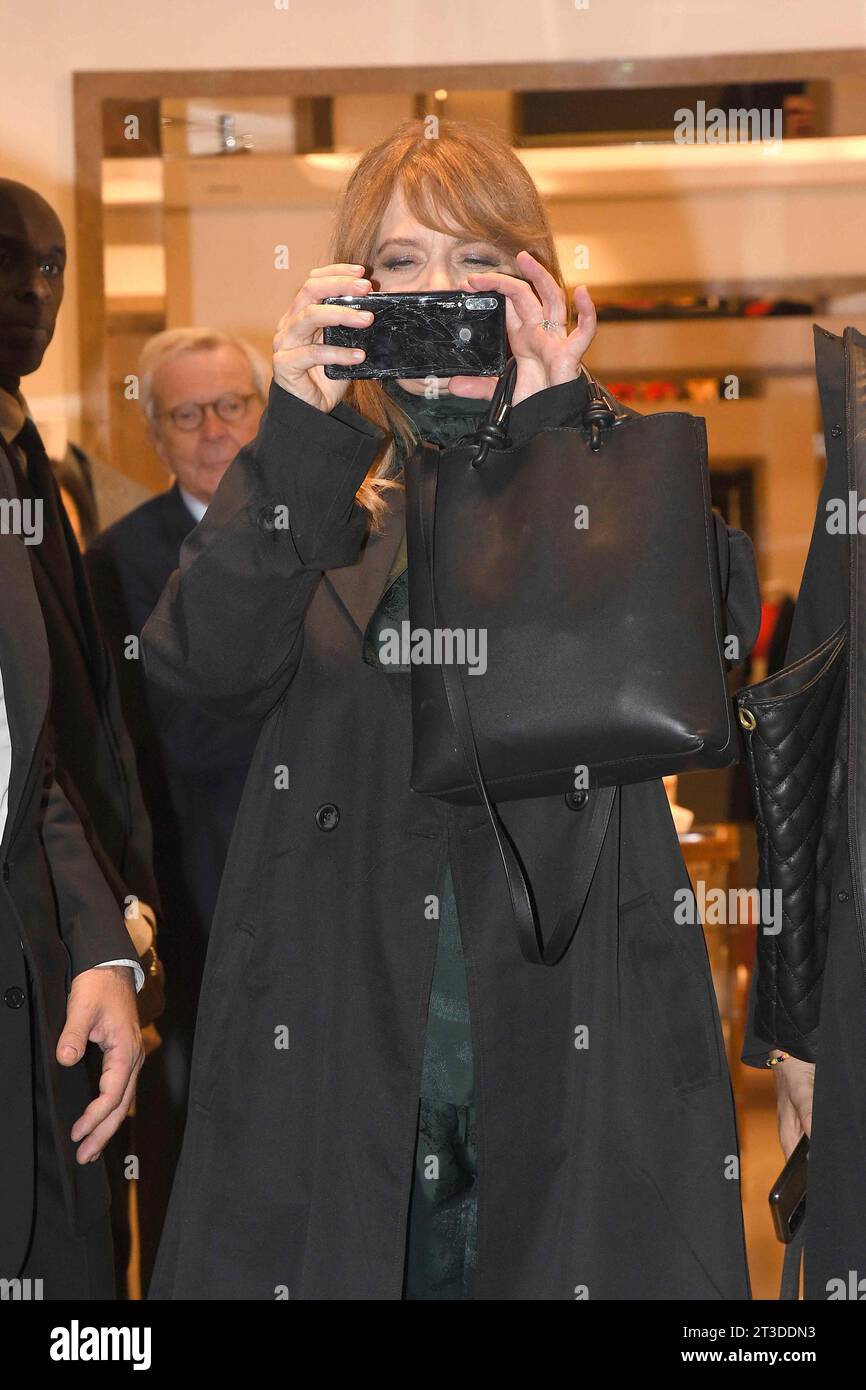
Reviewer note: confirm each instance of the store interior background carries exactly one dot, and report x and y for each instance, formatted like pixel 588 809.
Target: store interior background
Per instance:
pixel 250 119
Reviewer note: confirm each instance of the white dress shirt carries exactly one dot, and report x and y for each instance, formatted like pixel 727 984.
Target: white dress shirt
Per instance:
pixel 193 504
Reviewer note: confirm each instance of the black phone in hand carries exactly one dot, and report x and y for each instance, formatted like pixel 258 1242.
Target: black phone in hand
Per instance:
pixel 440 333
pixel 788 1195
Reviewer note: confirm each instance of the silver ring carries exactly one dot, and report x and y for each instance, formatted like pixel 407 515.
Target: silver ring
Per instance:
pixel 549 325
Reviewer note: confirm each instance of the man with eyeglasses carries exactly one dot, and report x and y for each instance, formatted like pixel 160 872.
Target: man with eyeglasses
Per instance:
pixel 202 393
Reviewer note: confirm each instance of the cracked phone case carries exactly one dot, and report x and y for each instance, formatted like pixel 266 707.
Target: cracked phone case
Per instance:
pixel 437 333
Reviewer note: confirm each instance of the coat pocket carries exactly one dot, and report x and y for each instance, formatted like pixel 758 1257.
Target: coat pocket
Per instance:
pixel 675 1003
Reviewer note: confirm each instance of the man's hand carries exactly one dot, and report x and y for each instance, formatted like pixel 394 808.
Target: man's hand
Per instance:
pixel 101 1009
pixel 795 1081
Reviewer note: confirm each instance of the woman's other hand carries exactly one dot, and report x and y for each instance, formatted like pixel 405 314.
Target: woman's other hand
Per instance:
pixel 300 355
pixel 795 1082
pixel 545 357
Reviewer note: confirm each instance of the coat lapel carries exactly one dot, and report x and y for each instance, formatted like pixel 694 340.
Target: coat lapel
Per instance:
pixel 23 658
pixel 53 559
pixel 359 587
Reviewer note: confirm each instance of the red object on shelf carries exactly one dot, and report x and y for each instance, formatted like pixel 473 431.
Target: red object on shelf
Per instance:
pixel 769 618
pixel 661 391
pixel 623 390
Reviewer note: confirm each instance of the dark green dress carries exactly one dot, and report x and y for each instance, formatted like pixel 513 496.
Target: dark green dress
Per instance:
pixel 440 1257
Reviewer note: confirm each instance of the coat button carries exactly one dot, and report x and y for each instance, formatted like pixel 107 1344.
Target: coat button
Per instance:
pixel 14 997
pixel 267 518
pixel 328 816
pixel 835 431
pixel 575 801
pixel 842 895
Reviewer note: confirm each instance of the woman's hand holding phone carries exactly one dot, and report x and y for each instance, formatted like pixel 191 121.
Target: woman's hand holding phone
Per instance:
pixel 545 357
pixel 299 353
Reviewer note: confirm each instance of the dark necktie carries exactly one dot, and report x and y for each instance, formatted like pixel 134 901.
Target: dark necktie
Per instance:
pixel 37 481
pixel 29 441
pixel 22 482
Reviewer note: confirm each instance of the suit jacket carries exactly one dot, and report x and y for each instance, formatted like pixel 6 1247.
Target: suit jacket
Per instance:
pixel 192 764
pixel 95 761
pixel 58 917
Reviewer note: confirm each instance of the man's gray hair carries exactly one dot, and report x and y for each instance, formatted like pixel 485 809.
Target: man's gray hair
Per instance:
pixel 174 341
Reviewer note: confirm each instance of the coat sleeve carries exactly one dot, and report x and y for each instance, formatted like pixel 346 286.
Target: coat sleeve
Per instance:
pixel 125 596
pixel 228 629
pixel 91 923
pixel 742 594
pixel 822 603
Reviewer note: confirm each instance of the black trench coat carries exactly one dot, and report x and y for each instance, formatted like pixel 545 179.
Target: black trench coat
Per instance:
pixel 607 1170
pixel 833 592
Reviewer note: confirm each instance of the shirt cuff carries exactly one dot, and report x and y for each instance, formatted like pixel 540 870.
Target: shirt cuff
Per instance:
pixel 133 965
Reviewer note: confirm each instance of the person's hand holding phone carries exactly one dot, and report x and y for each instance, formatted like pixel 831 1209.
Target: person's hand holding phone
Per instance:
pixel 795 1082
pixel 299 353
pixel 545 357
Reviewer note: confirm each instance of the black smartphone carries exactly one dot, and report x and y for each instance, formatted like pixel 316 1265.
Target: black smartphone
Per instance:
pixel 788 1196
pixel 437 333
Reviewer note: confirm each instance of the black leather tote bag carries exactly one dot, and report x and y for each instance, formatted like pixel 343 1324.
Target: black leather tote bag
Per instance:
pixel 795 735
pixel 588 558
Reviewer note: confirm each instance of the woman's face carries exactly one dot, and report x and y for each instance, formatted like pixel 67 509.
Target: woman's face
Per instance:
pixel 409 256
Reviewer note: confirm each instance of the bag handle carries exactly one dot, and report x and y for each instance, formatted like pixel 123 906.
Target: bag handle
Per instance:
pixel 529 935
pixel 598 414
pixel 494 430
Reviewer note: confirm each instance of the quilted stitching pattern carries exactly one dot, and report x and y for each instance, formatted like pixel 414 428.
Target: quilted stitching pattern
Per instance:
pixel 797 764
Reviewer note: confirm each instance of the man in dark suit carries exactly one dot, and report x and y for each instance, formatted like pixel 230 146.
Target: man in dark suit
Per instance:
pixel 67 966
pixel 95 765
pixel 202 393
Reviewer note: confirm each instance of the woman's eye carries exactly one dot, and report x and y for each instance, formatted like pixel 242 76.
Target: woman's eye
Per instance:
pixel 480 260
pixel 398 264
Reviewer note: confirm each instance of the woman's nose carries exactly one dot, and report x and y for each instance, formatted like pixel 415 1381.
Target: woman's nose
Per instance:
pixel 438 278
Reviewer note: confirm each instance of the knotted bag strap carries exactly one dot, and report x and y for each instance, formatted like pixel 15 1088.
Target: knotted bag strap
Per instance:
pixel 529 935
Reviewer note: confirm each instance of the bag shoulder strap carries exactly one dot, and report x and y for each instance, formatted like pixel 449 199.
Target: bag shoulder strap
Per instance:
pixel 532 943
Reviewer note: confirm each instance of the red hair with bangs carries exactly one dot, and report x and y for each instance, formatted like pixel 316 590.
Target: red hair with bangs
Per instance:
pixel 462 179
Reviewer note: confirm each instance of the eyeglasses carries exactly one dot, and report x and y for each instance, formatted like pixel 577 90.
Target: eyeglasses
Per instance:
pixel 230 408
